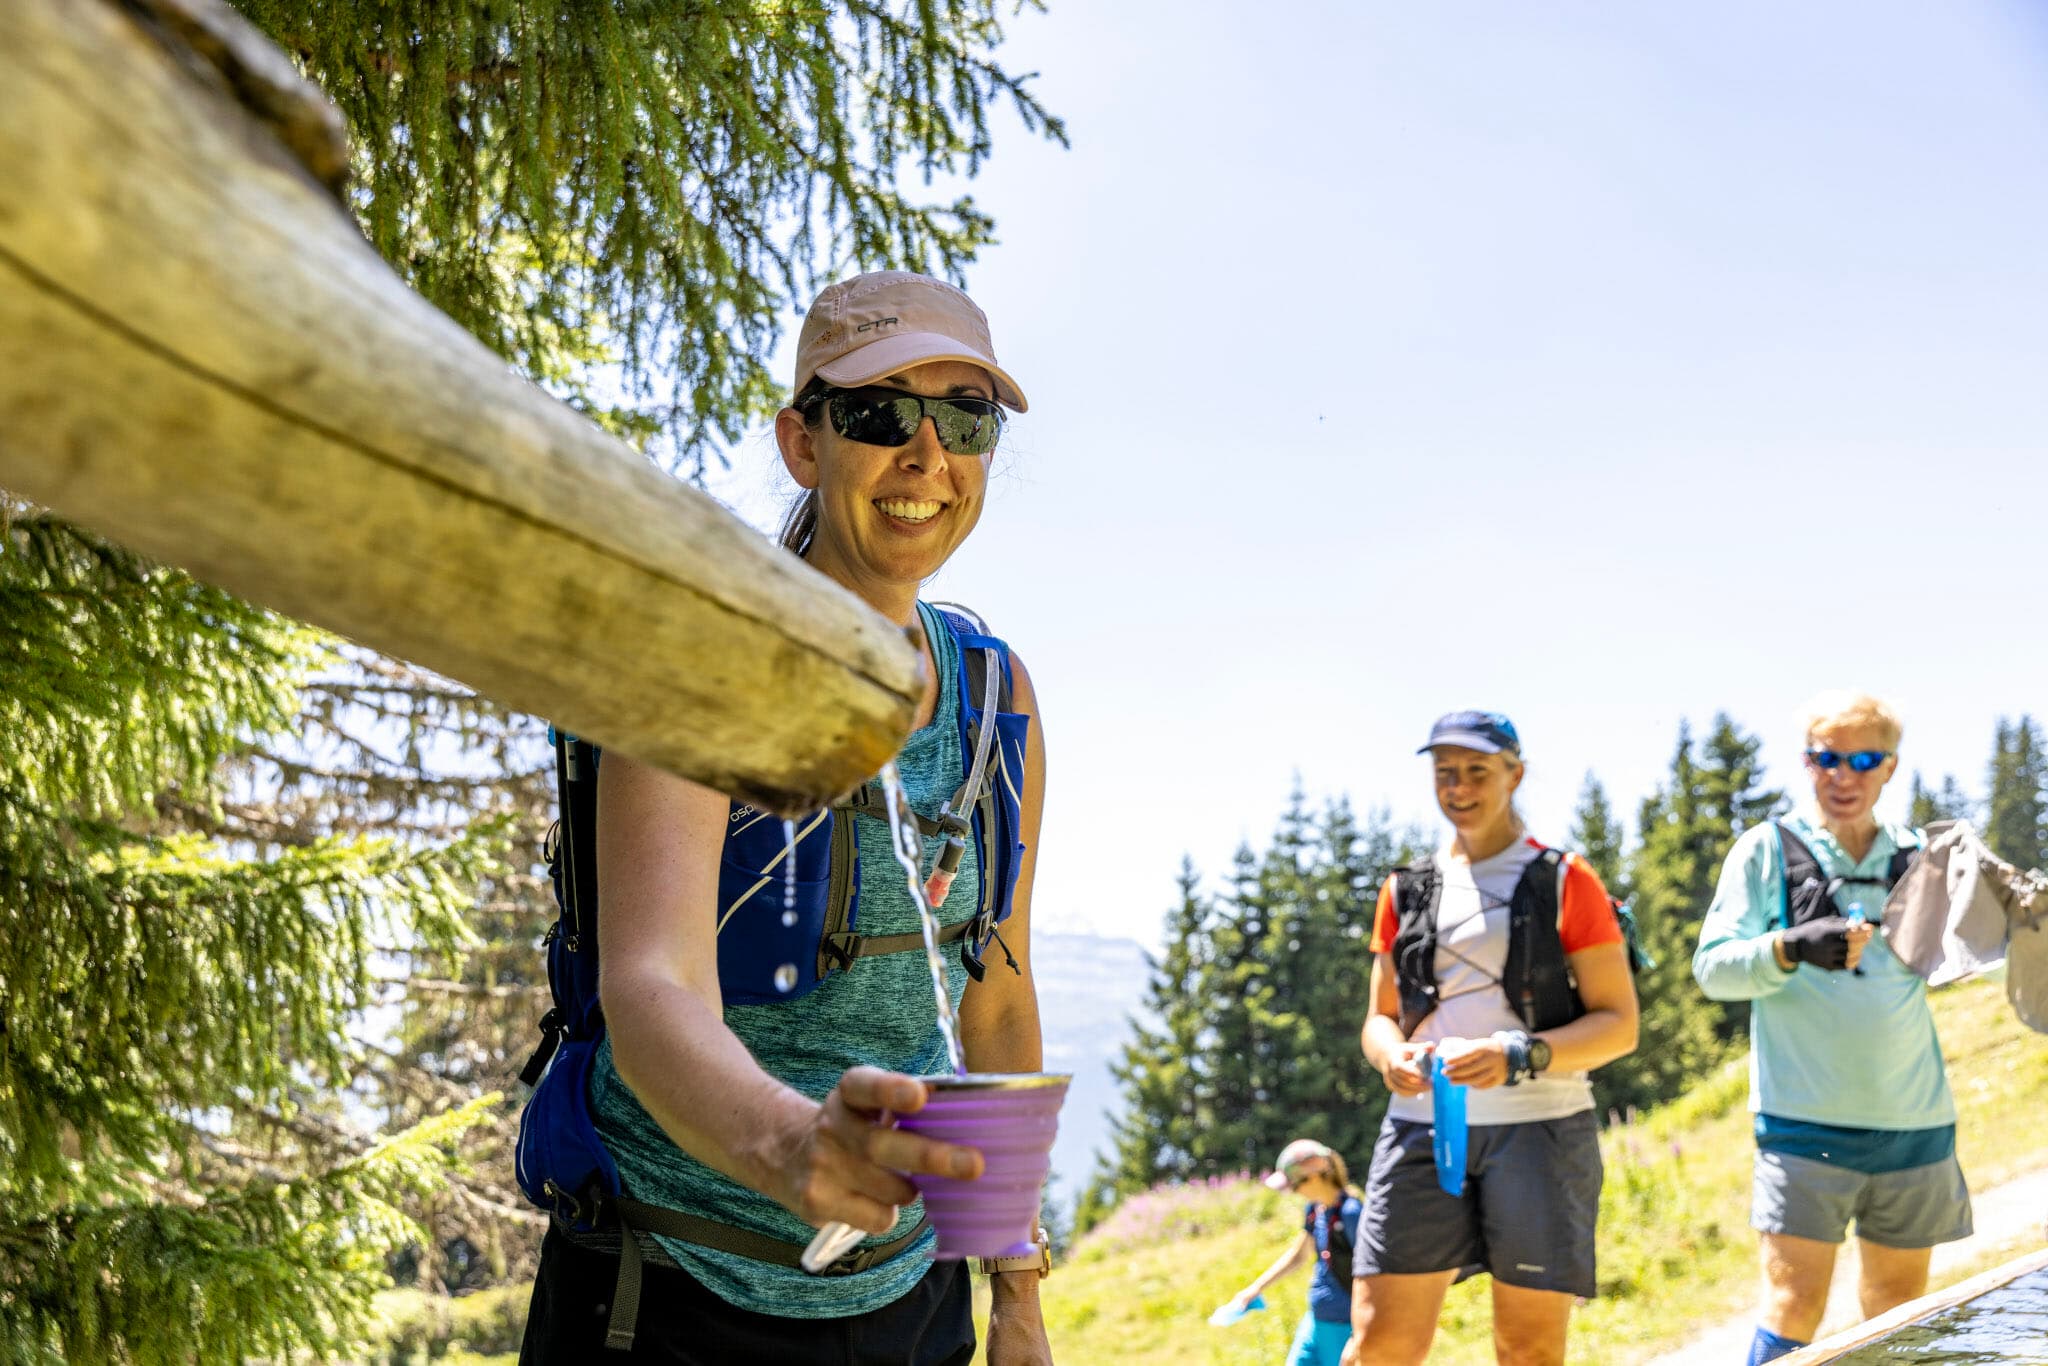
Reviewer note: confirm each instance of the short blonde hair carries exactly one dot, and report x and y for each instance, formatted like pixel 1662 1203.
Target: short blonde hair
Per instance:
pixel 1845 707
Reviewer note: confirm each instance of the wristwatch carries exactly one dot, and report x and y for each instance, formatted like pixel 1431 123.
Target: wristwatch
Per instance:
pixel 1539 1056
pixel 1039 1261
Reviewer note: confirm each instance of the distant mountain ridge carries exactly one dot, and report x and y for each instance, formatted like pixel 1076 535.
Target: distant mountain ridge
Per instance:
pixel 1088 987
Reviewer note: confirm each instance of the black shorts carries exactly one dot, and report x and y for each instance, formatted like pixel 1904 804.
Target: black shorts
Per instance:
pixel 1532 1196
pixel 684 1324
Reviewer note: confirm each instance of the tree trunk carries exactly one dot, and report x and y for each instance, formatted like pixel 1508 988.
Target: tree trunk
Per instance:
pixel 201 358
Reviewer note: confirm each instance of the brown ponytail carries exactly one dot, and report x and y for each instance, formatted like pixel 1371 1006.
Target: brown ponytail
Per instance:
pixel 800 523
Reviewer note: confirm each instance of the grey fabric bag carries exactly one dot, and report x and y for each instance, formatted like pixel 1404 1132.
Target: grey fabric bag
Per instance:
pixel 1961 910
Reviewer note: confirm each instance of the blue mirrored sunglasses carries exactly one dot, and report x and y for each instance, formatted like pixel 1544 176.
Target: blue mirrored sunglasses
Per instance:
pixel 1860 761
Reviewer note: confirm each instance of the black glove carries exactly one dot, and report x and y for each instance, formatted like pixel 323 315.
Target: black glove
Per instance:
pixel 1823 943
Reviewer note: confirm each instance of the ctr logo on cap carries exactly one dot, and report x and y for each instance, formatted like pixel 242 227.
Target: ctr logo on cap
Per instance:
pixel 1489 732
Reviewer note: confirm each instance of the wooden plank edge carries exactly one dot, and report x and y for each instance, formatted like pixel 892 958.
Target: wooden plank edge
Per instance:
pixel 1913 1311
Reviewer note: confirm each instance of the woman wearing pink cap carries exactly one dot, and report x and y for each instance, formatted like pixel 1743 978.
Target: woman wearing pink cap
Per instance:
pixel 1501 964
pixel 1329 1230
pixel 742 1117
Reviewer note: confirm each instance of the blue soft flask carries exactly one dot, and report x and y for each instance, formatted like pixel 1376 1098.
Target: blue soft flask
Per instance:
pixel 1447 1134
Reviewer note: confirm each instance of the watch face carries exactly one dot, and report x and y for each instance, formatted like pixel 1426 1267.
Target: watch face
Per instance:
pixel 1539 1055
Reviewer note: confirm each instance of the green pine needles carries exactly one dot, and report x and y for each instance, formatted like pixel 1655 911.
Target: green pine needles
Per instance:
pixel 167 999
pixel 623 198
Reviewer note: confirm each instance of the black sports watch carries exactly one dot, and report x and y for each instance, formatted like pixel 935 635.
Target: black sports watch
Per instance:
pixel 1539 1056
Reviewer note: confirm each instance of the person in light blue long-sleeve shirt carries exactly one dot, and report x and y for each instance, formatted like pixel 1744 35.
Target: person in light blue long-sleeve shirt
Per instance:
pixel 1854 1120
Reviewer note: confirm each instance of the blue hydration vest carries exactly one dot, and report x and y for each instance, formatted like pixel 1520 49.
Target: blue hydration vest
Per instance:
pixel 563 1166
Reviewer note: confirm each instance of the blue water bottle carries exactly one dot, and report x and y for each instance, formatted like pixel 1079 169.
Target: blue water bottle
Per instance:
pixel 1447 1132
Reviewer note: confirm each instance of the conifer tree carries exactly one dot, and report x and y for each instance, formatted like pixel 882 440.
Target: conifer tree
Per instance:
pixel 1250 1035
pixel 2016 827
pixel 1687 826
pixel 167 1000
pixel 1295 1076
pixel 1236 1043
pixel 464 1023
pixel 1597 836
pixel 1948 803
pixel 1732 799
pixel 1166 1090
pixel 624 200
pixel 1335 1096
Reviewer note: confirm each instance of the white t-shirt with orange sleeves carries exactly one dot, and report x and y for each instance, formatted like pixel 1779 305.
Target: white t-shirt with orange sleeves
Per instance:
pixel 1471 955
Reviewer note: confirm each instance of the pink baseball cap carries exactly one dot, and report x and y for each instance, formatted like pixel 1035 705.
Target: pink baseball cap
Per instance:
pixel 877 324
pixel 1293 1156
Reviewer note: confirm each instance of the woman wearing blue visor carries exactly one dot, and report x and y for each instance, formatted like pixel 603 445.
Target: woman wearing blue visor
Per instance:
pixel 1501 962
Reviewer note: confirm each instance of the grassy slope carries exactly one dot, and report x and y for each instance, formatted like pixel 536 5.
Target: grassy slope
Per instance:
pixel 1676 1253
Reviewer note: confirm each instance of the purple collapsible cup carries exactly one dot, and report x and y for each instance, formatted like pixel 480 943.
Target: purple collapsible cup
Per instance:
pixel 1010 1118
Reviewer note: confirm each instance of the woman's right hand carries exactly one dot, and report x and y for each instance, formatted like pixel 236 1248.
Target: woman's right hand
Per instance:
pixel 1405 1068
pixel 849 1162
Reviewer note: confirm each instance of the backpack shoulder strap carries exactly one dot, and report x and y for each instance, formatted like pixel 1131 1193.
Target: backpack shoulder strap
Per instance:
pixel 1800 867
pixel 1902 859
pixel 1800 863
pixel 1418 887
pixel 979 650
pixel 1549 867
pixel 570 851
pixel 978 809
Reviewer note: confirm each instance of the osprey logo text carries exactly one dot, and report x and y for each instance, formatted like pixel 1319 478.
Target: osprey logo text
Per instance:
pixel 879 322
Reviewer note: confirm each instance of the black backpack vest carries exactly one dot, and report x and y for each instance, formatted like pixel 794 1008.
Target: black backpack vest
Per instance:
pixel 1538 981
pixel 1810 894
pixel 1336 1242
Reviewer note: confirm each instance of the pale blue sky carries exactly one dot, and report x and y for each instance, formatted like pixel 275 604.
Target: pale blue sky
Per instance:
pixel 1607 365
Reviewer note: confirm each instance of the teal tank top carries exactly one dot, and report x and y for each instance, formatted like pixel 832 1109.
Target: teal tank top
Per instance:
pixel 880 1012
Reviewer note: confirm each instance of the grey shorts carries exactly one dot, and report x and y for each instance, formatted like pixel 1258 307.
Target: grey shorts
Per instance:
pixel 1917 1207
pixel 1532 1196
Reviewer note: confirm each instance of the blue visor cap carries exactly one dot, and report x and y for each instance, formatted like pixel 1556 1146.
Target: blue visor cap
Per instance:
pixel 1486 731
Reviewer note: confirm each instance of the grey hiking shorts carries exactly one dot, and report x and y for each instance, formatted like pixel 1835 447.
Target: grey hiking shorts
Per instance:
pixel 1532 1195
pixel 1807 1198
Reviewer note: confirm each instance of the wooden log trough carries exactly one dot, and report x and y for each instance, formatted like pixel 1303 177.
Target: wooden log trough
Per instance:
pixel 1997 1319
pixel 201 358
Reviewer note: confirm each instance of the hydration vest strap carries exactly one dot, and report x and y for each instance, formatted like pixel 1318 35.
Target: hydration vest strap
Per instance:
pixel 867 800
pixel 1902 859
pixel 1417 890
pixel 574 834
pixel 1801 867
pixel 634 1218
pixel 976 779
pixel 553 1026
pixel 843 862
pixel 845 946
pixel 984 921
pixel 1532 928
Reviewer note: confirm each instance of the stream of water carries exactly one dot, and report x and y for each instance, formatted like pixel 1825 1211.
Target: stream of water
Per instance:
pixel 836 1239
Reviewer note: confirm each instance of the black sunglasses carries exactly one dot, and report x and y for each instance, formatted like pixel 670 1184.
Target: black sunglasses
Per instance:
pixel 889 417
pixel 1860 761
